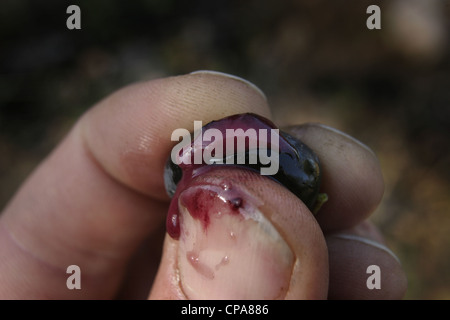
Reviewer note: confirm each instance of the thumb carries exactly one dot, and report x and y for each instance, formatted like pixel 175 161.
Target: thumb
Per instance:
pixel 100 193
pixel 242 236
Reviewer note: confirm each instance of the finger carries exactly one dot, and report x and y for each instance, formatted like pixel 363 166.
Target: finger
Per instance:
pixel 242 236
pixel 100 193
pixel 138 155
pixel 351 176
pixel 142 268
pixel 362 267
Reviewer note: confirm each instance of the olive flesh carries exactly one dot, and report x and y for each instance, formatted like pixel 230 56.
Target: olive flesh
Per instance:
pixel 299 167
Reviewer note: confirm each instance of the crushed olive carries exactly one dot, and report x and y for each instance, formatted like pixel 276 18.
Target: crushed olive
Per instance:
pixel 299 168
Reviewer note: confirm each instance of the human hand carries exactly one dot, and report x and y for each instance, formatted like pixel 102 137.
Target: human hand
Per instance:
pixel 98 202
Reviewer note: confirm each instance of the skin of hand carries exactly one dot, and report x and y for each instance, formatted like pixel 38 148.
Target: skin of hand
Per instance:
pixel 98 201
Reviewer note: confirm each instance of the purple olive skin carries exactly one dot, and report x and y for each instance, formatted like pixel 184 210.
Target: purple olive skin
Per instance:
pixel 299 168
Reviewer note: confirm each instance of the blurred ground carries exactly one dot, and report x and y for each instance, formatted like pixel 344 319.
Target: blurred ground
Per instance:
pixel 316 61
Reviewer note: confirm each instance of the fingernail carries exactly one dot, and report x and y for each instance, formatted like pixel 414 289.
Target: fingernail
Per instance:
pixel 230 76
pixel 346 136
pixel 228 249
pixel 370 242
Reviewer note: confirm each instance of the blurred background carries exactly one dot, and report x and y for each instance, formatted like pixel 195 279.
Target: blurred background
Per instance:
pixel 315 60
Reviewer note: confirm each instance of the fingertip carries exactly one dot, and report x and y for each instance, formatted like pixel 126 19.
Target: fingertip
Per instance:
pixel 363 269
pixel 129 133
pixel 351 176
pixel 233 77
pixel 272 249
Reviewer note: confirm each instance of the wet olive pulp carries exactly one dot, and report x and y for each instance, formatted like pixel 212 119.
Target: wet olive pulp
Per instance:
pixel 299 168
